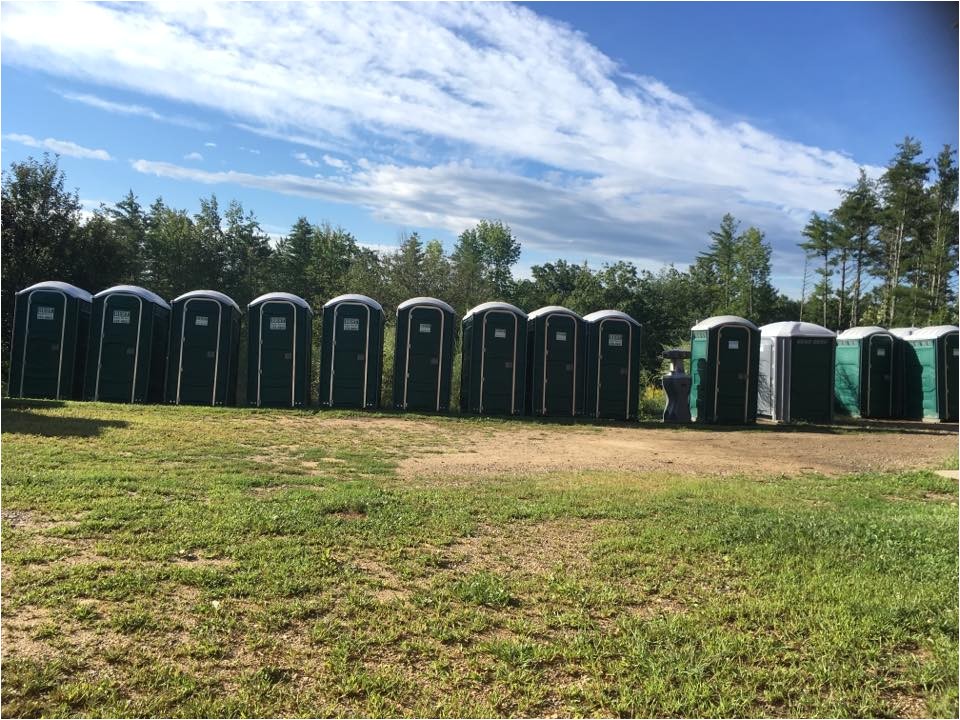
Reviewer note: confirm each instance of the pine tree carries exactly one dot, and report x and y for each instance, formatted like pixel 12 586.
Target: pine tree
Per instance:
pixel 857 219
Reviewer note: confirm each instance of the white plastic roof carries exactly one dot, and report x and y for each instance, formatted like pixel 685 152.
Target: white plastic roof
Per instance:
pixel 795 329
pixel 134 290
pixel 903 332
pixel 718 320
pixel 484 307
pixel 209 295
pixel 599 315
pixel 550 310
pixel 425 301
pixel 66 288
pixel 289 297
pixel 934 332
pixel 859 333
pixel 363 299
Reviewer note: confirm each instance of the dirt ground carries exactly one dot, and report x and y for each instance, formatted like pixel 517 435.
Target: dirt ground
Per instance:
pixel 766 449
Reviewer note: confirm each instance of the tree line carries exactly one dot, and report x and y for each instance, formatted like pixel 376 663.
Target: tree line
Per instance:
pixel 46 235
pixel 887 254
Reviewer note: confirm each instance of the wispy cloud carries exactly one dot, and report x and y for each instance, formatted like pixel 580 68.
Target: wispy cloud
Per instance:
pixel 305 159
pixel 336 162
pixel 61 147
pixel 210 144
pixel 568 145
pixel 194 156
pixel 132 109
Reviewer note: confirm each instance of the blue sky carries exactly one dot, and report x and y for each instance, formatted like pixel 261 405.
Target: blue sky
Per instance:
pixel 597 131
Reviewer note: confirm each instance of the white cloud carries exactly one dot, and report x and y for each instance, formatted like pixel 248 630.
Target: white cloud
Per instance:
pixel 195 156
pixel 305 159
pixel 210 144
pixel 569 146
pixel 132 109
pixel 336 162
pixel 61 147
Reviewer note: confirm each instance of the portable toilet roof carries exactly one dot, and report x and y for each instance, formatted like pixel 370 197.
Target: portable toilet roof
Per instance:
pixel 280 296
pixel 208 295
pixel 718 320
pixel 494 305
pixel 66 288
pixel 363 299
pixel 795 329
pixel 859 333
pixel 903 332
pixel 551 310
pixel 134 290
pixel 425 301
pixel 599 315
pixel 933 333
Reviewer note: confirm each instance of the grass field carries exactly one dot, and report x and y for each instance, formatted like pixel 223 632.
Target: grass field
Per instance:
pixel 184 561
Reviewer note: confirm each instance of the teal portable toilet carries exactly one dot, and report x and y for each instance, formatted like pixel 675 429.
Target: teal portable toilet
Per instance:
pixel 351 359
pixel 724 369
pixel 279 351
pixel 204 349
pixel 423 355
pixel 555 362
pixel 931 376
pixel 493 358
pixel 901 349
pixel 865 372
pixel 612 372
pixel 49 349
pixel 127 351
pixel 796 372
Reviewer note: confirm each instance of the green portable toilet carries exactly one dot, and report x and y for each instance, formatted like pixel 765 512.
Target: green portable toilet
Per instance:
pixel 423 355
pixel 930 378
pixel 865 372
pixel 127 351
pixel 351 360
pixel 49 349
pixel 796 372
pixel 204 349
pixel 493 357
pixel 279 351
pixel 556 338
pixel 724 369
pixel 612 365
pixel 901 349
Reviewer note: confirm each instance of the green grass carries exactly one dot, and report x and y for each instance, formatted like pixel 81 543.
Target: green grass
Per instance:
pixel 210 562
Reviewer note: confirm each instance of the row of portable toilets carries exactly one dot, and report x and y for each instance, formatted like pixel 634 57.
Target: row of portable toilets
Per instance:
pixel 126 344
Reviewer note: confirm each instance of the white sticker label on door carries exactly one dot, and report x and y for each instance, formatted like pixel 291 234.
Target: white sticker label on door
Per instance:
pixel 500 332
pixel 881 352
pixel 44 313
pixel 278 323
pixel 351 324
pixel 201 321
pixel 426 327
pixel 561 336
pixel 733 344
pixel 121 317
pixel 615 340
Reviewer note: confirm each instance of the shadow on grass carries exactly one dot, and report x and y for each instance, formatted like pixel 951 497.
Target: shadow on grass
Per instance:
pixel 18 420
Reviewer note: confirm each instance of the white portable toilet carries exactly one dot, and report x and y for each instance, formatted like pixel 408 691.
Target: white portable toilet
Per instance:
pixel 796 372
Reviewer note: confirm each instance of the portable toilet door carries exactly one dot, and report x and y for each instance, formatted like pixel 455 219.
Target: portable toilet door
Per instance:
pixel 612 378
pixel 902 357
pixel 864 378
pixel 796 372
pixel 555 362
pixel 351 364
pixel 493 360
pixel 204 348
pixel 724 367
pixel 126 356
pixel 423 355
pixel 932 372
pixel 280 332
pixel 50 333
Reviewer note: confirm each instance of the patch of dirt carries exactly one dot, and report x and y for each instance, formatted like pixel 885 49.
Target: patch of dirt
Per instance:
pixel 271 490
pixel 940 497
pixel 349 515
pixel 766 450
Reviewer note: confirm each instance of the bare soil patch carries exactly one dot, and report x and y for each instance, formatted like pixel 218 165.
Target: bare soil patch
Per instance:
pixel 523 449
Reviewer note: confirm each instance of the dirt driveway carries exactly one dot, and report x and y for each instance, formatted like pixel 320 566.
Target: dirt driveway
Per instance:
pixel 766 449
